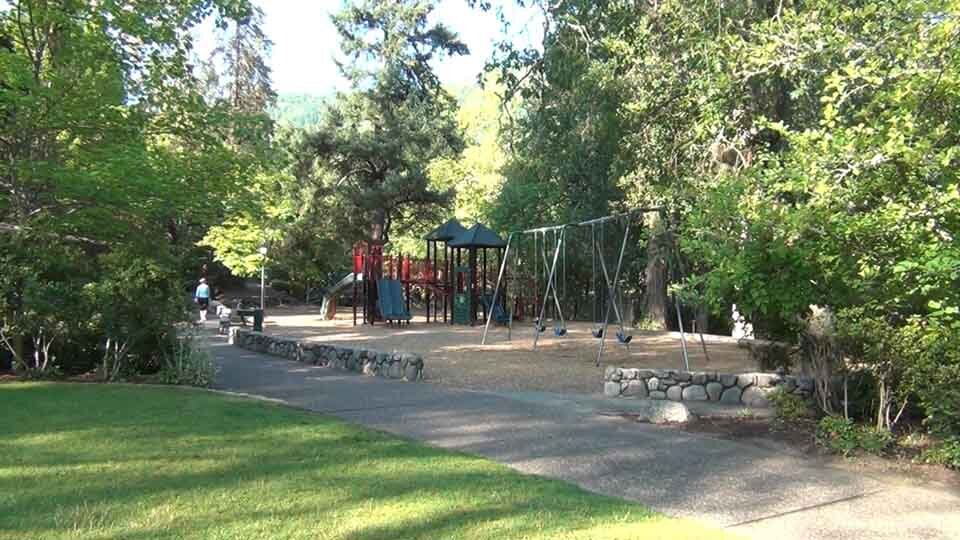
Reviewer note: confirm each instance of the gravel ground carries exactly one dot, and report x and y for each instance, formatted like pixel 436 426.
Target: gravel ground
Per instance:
pixel 454 356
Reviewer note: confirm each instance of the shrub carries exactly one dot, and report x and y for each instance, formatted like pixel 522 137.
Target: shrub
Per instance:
pixel 188 364
pixel 873 440
pixel 138 301
pixel 932 377
pixel 789 408
pixel 946 453
pixel 837 434
pixel 41 300
pixel 843 436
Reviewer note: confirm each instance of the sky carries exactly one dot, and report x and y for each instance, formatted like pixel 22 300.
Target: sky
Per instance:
pixel 305 42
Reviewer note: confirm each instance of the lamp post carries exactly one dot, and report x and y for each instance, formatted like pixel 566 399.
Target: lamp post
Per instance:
pixel 263 267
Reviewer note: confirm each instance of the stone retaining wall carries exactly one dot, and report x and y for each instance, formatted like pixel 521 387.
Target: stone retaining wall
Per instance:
pixel 396 365
pixel 750 389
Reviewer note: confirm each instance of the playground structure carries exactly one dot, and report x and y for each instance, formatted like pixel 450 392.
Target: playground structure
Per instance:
pixel 454 284
pixel 549 246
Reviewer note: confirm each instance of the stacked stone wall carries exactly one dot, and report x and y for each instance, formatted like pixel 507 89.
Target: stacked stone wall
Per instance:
pixel 751 389
pixel 393 365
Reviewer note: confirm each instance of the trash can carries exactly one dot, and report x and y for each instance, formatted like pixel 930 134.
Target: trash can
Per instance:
pixel 258 320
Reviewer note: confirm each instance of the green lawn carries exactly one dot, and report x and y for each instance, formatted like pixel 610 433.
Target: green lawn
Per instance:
pixel 95 461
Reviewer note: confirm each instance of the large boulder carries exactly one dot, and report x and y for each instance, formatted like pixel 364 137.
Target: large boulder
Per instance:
pixel 714 389
pixel 635 388
pixel 611 388
pixel 731 395
pixel 694 393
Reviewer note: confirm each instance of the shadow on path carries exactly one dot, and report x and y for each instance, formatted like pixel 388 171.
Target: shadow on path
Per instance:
pixel 755 491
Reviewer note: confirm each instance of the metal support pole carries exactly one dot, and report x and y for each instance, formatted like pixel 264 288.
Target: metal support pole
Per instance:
pixel 263 271
pixel 543 305
pixel 496 291
pixel 703 344
pixel 553 282
pixel 426 278
pixel 683 337
pixel 612 292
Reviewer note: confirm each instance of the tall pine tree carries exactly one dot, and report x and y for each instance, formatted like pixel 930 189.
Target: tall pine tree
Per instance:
pixel 373 150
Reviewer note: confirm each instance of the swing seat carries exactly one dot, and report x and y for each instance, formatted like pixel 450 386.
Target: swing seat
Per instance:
pixel 624 338
pixel 559 331
pixel 539 327
pixel 597 333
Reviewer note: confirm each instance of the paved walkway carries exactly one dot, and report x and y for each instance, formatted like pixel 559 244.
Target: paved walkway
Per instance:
pixel 756 492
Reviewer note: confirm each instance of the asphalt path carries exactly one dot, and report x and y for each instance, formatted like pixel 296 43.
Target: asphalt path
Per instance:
pixel 755 491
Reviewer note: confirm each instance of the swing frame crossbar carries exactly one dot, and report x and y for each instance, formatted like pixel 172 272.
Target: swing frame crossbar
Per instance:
pixel 612 286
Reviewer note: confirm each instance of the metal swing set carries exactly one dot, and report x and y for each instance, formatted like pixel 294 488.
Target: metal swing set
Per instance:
pixel 557 244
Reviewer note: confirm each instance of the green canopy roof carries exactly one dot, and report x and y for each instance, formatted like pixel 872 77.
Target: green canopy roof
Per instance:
pixel 477 236
pixel 448 231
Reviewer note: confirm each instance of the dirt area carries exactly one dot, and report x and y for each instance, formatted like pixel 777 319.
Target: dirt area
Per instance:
pixel 454 356
pixel 799 439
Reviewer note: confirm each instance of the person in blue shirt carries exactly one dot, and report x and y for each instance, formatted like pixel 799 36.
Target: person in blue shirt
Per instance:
pixel 202 297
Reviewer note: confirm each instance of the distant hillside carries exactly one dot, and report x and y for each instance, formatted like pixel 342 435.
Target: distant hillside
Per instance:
pixel 299 110
pixel 306 110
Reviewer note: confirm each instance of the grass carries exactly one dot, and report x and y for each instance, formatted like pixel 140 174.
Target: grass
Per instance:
pixel 92 461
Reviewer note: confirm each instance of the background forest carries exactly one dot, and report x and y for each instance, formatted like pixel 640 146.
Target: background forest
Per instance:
pixel 806 153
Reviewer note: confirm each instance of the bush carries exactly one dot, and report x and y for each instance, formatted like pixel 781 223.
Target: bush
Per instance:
pixel 932 377
pixel 913 361
pixel 789 408
pixel 138 301
pixel 188 364
pixel 946 453
pixel 843 436
pixel 43 305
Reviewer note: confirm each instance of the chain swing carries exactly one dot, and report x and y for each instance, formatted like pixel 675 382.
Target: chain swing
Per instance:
pixel 539 328
pixel 560 328
pixel 611 297
pixel 595 246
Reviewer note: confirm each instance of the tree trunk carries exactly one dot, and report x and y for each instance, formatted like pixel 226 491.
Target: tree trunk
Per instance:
pixel 378 237
pixel 655 299
pixel 703 319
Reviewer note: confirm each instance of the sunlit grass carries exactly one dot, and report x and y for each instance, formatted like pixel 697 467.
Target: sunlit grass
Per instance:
pixel 94 461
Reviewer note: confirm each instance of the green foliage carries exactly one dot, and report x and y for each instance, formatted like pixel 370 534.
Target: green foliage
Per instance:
pixel 129 151
pixel 834 206
pixel 789 408
pixel 43 306
pixel 807 153
pixel 66 310
pixel 845 437
pixel 114 165
pixel 188 363
pixel 772 356
pixel 931 376
pixel 370 157
pixel 474 176
pixel 236 243
pixel 945 453
pixel 136 302
pixel 303 111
